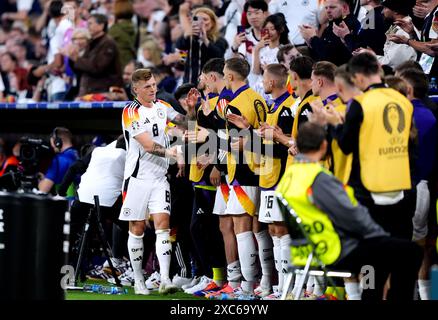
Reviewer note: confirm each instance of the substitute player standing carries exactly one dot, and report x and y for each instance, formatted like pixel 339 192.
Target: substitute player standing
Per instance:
pixel 146 190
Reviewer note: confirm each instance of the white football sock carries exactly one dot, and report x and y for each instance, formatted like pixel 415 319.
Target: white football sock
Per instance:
pixel 163 250
pixel 277 260
pixel 135 248
pixel 234 274
pixel 285 253
pixel 353 290
pixel 424 289
pixel 247 257
pixel 266 257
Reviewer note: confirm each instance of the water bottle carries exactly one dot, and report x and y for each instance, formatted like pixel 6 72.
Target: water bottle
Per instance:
pixel 114 290
pixel 433 87
pixel 96 288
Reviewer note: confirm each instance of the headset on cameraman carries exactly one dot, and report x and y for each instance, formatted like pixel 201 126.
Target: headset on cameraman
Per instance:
pixel 57 141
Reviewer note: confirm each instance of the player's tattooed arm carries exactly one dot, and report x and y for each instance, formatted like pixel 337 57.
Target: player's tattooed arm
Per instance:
pixel 158 150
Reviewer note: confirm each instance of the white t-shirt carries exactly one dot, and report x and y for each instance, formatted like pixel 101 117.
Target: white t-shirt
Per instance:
pixel 57 84
pixel 156 17
pixel 24 5
pixel 138 119
pixel 426 61
pixel 104 176
pixel 267 56
pixel 232 19
pixel 296 12
pixel 2 85
pixel 246 49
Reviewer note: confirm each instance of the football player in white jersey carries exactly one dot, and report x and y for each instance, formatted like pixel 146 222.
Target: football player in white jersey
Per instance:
pixel 146 190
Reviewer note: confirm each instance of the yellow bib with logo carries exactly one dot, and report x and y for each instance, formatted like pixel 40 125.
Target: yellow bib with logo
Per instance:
pixel 340 162
pixel 296 188
pixel 384 139
pixel 270 167
pixel 253 107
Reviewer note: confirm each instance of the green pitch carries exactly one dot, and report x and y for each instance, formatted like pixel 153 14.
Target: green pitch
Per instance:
pixel 80 295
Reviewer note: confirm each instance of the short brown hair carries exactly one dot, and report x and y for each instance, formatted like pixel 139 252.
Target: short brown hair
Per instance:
pixel 141 74
pixel 325 69
pixel 342 73
pixel 418 80
pixel 123 9
pixel 282 50
pixel 239 66
pixel 397 84
pixel 63 133
pixel 280 72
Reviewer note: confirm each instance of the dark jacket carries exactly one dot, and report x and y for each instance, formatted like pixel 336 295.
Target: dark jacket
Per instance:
pixel 347 136
pixel 371 34
pixel 100 66
pixel 198 55
pixel 329 47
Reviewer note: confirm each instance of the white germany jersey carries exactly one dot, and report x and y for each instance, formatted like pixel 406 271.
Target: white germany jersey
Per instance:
pixel 138 119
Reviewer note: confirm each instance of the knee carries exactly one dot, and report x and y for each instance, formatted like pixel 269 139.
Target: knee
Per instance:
pixel 136 227
pixel 161 221
pixel 242 224
pixel 271 230
pixel 226 226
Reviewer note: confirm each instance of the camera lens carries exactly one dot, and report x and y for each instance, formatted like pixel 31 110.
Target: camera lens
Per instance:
pixel 27 153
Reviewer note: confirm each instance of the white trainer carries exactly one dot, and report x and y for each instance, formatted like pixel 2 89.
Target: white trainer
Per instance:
pixel 194 282
pixel 167 286
pixel 262 292
pixel 153 282
pixel 203 283
pixel 180 281
pixel 140 288
pixel 126 279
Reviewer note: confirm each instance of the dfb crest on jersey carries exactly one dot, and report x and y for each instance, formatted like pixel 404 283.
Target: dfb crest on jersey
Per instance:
pixel 126 211
pixel 160 114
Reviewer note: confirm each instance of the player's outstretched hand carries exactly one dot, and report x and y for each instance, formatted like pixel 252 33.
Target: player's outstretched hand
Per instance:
pixel 193 98
pixel 238 121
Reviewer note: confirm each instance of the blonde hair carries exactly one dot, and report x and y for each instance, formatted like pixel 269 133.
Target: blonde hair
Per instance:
pixel 81 31
pixel 141 74
pixel 213 33
pixel 154 50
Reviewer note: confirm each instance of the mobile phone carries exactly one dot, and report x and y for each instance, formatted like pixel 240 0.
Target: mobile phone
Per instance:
pixel 195 18
pixel 264 32
pixel 240 29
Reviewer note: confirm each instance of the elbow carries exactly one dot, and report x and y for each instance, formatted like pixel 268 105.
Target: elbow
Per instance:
pixel 149 147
